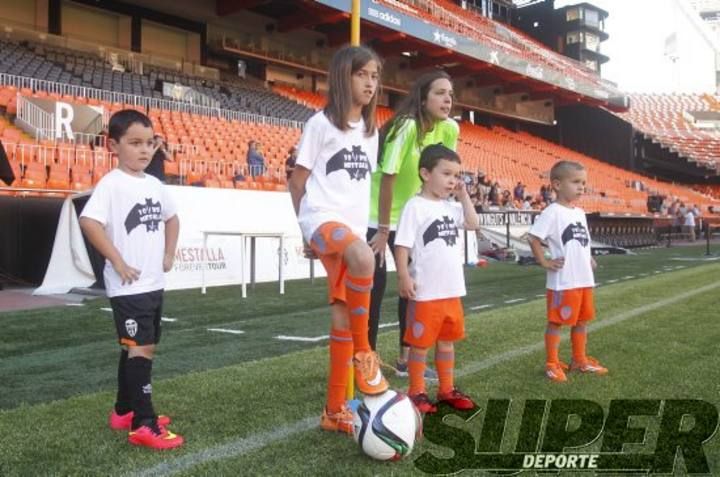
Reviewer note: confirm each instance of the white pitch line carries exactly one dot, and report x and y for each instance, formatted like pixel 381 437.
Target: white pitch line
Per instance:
pixel 107 309
pixel 515 300
pixel 613 320
pixel 612 281
pixel 259 440
pixel 481 307
pixel 305 339
pixel 315 339
pixel 629 277
pixel 387 325
pixel 695 259
pixel 658 271
pixel 234 448
pixel 225 330
pixel 541 295
pixel 74 304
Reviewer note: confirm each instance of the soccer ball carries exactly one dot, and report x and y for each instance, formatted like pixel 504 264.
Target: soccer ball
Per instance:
pixel 386 426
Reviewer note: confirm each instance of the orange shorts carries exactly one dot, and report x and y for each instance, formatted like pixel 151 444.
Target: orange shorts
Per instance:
pixel 430 321
pixel 329 242
pixel 567 307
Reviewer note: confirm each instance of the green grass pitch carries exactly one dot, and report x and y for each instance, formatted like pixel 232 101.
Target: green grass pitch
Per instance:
pixel 249 404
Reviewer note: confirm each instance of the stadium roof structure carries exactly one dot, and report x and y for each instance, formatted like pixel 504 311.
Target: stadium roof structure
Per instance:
pixel 461 42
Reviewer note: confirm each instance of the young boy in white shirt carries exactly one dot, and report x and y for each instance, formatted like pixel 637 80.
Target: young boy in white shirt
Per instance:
pixel 570 279
pixel 131 220
pixel 433 281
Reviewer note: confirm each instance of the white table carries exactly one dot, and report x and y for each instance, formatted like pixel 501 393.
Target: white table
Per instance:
pixel 243 239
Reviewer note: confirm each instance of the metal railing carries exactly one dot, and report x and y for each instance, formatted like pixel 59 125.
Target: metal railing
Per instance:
pixel 45 154
pixel 184 154
pixel 193 171
pixel 97 140
pixel 33 117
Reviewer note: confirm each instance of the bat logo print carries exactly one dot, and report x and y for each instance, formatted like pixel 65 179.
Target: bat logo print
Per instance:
pixel 148 214
pixel 355 162
pixel 444 229
pixel 576 231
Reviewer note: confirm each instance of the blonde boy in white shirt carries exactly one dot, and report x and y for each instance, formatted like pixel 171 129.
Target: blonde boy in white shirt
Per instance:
pixel 570 279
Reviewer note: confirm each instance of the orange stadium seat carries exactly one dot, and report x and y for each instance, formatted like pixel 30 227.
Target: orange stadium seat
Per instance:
pixel 662 117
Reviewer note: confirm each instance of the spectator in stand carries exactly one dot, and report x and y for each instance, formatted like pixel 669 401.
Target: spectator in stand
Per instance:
pixel 698 219
pixel 519 192
pixel 689 224
pixel 527 203
pixel 255 159
pixel 664 207
pixel 477 202
pixel 156 168
pixel 507 201
pixel 483 186
pixel 494 194
pixel 678 221
pixel 545 192
pixel 290 162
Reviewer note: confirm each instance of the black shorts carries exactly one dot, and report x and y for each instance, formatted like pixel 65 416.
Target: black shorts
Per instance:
pixel 137 318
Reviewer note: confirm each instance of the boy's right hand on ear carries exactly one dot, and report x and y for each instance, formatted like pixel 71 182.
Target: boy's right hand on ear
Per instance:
pixel 554 265
pixel 127 273
pixel 406 287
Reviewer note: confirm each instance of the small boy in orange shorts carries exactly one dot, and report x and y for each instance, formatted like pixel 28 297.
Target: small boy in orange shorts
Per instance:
pixel 570 279
pixel 433 281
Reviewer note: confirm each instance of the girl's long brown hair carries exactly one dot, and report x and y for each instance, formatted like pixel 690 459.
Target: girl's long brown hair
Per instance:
pixel 412 107
pixel 344 63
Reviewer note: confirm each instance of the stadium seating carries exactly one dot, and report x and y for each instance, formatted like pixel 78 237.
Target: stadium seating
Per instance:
pixel 80 69
pixel 508 157
pixel 712 190
pixel 210 151
pixel 660 116
pixel 317 101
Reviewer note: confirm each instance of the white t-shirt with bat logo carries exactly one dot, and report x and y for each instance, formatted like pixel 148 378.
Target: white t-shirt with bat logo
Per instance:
pixel 133 211
pixel 340 164
pixel 566 232
pixel 431 229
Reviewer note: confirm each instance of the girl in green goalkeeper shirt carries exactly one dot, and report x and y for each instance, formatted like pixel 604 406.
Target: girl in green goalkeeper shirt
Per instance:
pixel 422 119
